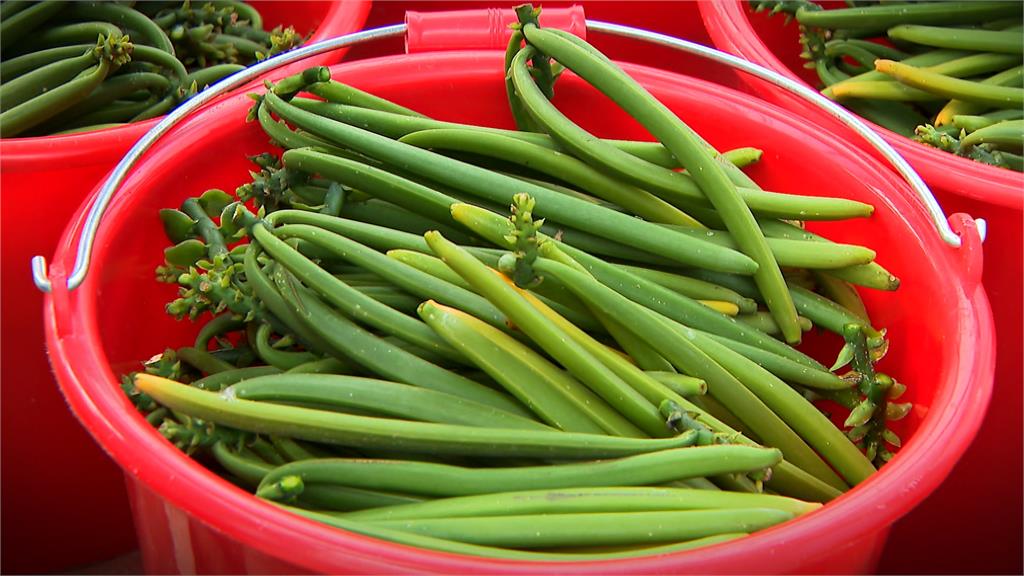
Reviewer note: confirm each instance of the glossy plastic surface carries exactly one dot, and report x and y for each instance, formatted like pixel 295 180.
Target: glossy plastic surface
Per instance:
pixel 486 29
pixel 42 182
pixel 191 520
pixel 992 470
pixel 680 19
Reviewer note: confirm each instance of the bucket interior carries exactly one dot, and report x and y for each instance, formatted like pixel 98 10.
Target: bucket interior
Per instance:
pixel 928 318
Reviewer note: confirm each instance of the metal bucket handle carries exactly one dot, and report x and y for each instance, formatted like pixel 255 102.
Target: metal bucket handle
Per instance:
pixel 106 193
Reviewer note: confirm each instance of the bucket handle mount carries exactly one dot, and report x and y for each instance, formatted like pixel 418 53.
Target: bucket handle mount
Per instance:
pixel 92 222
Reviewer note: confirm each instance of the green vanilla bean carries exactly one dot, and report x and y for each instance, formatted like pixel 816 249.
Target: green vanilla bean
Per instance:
pixel 287 138
pixel 245 12
pixel 925 60
pixel 339 93
pixel 970 123
pixel 874 48
pixel 144 30
pixel 565 303
pixel 376 237
pixel 557 398
pixel 649 387
pixel 602 246
pixel 645 357
pixel 883 87
pixel 203 360
pixel 784 368
pixel 441 480
pixel 677 188
pixel 842 294
pixel 391 297
pixel 679 139
pixel 46 78
pixel 499 188
pixel 23 23
pixel 805 419
pixel 865 58
pixel 973 65
pixel 882 90
pixel 955 88
pixel 375 396
pixel 322 366
pixel 206 227
pixel 251 470
pixel 765 323
pixel 870 275
pixel 380 183
pixel 393 269
pixel 1011 77
pixel 680 383
pixel 580 363
pixel 396 126
pixel 67 34
pixel 385 358
pixel 1001 41
pixel 430 265
pixel 14 67
pixel 582 500
pixel 885 15
pixel 555 164
pixel 220 380
pixel 687 355
pixel 1008 134
pixel 204 77
pixel 522 120
pixel 693 288
pixel 681 308
pixel 395 216
pixel 247 49
pixel 281 359
pixel 820 310
pixel 9 9
pixel 292 450
pixel 160 58
pixel 453 547
pixel 279 310
pixel 799 253
pixel 112 89
pixel 646 292
pixel 111 53
pixel 363 432
pixel 897 117
pixel 787 479
pixel 609 529
pixel 289 86
pixel 350 301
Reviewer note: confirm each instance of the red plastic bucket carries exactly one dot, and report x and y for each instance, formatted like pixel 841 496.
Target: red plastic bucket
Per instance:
pixel 189 519
pixel 960 185
pixel 679 19
pixel 43 180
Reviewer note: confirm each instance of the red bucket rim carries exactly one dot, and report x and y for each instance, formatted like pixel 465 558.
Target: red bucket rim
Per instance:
pixel 92 391
pixel 729 26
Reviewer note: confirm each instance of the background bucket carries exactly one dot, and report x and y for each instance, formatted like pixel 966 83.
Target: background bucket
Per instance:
pixel 189 519
pixel 58 485
pixel 990 470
